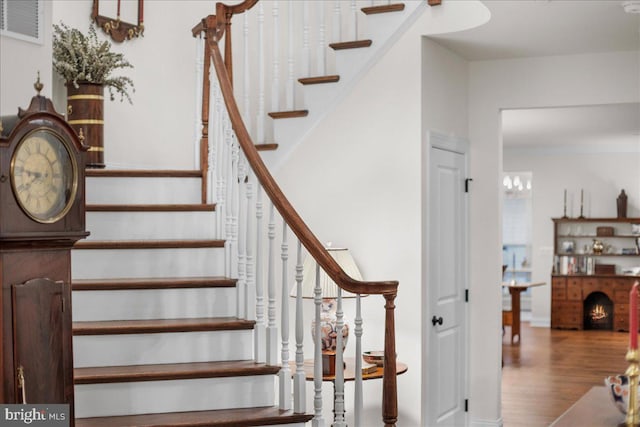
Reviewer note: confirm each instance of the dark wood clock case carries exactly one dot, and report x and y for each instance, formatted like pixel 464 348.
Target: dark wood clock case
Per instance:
pixel 35 274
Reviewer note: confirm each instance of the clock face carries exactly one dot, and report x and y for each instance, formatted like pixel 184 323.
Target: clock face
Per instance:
pixel 44 176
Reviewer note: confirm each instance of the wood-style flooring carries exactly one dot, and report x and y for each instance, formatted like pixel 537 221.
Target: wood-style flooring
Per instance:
pixel 551 369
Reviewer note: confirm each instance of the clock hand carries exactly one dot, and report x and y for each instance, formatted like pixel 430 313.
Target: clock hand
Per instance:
pixel 37 175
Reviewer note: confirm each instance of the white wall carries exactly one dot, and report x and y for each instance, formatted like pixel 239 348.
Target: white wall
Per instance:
pixel 520 83
pixel 601 174
pixel 363 167
pixel 158 130
pixel 20 62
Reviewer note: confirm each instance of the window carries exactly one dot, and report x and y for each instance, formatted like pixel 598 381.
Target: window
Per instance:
pixel 21 19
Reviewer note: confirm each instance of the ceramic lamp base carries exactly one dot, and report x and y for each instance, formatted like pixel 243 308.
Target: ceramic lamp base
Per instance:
pixel 328 327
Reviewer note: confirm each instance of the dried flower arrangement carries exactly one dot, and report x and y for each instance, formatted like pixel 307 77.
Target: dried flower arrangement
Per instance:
pixel 81 58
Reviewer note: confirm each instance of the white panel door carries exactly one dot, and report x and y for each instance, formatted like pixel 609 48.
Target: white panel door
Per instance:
pixel 446 266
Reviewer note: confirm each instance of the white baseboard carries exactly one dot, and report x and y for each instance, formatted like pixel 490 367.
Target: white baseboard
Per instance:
pixel 540 322
pixel 486 423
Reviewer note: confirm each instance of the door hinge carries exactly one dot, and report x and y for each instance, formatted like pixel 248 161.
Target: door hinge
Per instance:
pixel 466 295
pixel 466 405
pixel 466 184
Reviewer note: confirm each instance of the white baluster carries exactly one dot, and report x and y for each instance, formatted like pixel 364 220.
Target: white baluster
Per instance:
pixel 246 72
pixel 358 380
pixel 197 125
pixel 272 328
pixel 290 91
pixel 275 85
pixel 338 404
pixel 260 334
pixel 261 116
pixel 222 156
pixel 306 49
pixel 318 420
pixel 250 241
pixel 285 371
pixel 337 24
pixel 321 41
pixel 241 285
pixel 212 149
pixel 232 203
pixel 353 19
pixel 299 388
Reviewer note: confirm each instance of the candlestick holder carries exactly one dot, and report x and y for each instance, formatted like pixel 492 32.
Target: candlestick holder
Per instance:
pixel 633 371
pixel 581 204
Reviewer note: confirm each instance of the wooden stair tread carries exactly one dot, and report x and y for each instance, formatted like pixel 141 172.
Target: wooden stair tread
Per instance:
pixel 149 244
pixel 288 114
pixel 319 80
pixel 154 326
pixel 356 44
pixel 223 417
pixel 196 207
pixel 266 147
pixel 171 371
pixel 151 283
pixel 143 173
pixel 371 10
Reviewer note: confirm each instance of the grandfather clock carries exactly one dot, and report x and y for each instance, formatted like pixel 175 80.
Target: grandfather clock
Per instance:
pixel 42 215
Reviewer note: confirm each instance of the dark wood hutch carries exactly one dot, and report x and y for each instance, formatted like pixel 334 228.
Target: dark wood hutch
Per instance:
pixel 593 256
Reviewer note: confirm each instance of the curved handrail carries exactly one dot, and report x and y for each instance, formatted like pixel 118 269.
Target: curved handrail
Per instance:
pixel 388 289
pixel 281 203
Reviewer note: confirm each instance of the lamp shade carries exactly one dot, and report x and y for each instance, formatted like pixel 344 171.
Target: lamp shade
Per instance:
pixel 329 288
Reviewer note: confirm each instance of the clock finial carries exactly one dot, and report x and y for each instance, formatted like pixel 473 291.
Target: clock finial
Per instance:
pixel 38 85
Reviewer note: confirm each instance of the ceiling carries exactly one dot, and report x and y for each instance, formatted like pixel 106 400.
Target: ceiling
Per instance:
pixel 526 28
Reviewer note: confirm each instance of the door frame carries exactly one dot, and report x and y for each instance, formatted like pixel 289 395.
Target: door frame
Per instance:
pixel 438 140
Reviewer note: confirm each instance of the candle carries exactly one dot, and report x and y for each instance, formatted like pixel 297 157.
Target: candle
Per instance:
pixel 140 11
pixel 633 316
pixel 118 9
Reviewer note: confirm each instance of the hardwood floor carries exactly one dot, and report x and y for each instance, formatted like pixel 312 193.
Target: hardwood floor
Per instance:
pixel 551 369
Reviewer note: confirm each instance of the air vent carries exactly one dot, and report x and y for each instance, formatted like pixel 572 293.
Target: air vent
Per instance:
pixel 21 19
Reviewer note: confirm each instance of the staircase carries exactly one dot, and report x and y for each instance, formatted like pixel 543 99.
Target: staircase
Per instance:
pixel 163 332
pixel 156 339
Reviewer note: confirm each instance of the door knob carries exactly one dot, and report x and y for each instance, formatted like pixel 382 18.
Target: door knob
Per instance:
pixel 436 320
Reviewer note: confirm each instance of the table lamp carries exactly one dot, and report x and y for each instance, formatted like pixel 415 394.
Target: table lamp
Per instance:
pixel 328 331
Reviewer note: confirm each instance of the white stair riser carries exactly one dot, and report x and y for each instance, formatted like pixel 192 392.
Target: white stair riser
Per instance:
pixel 119 263
pixel 173 396
pixel 141 349
pixel 154 304
pixel 107 190
pixel 150 225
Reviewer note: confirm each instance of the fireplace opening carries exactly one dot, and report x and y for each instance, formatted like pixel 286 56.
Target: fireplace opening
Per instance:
pixel 598 311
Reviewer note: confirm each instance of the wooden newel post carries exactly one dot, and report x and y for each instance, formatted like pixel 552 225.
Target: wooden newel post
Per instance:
pixel 389 381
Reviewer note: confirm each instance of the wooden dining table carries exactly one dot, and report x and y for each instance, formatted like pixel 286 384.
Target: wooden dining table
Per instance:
pixel 512 318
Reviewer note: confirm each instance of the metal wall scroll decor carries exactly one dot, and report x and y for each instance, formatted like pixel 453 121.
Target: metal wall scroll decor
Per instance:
pixel 119 30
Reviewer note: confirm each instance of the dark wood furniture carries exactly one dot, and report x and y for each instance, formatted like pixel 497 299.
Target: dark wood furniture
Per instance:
pixel 349 371
pixel 595 408
pixel 512 317
pixel 35 259
pixel 579 272
pixel 569 292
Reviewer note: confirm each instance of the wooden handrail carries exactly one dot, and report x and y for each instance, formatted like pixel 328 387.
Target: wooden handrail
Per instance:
pixel 306 237
pixel 287 211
